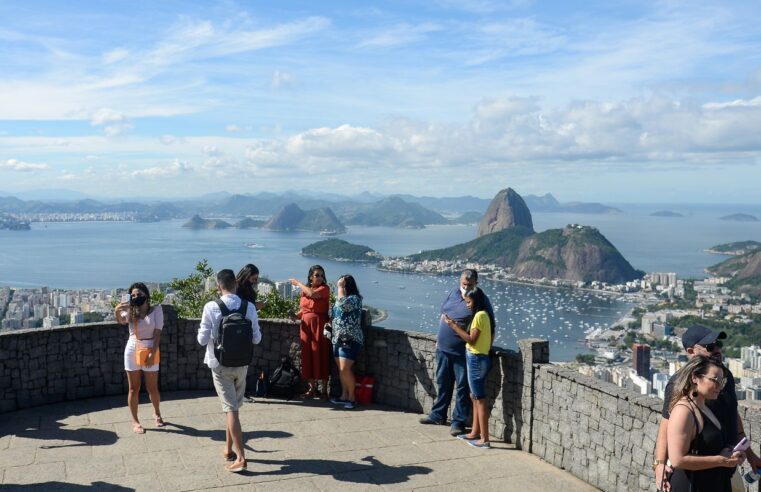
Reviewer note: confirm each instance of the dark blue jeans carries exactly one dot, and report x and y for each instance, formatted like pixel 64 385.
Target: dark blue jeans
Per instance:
pixel 451 372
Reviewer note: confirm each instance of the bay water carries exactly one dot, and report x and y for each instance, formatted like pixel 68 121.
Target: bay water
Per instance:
pixel 115 254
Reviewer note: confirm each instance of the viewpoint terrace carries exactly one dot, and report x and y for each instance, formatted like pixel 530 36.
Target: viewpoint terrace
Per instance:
pixel 64 423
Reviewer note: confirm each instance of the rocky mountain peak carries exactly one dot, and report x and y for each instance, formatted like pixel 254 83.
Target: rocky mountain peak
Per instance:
pixel 506 210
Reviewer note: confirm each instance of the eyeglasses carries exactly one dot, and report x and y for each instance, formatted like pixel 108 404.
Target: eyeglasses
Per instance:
pixel 720 381
pixel 712 346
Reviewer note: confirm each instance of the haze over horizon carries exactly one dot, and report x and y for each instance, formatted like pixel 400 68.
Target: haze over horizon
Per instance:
pixel 641 102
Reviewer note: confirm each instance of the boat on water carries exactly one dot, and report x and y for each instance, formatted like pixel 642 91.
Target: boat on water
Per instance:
pixel 329 233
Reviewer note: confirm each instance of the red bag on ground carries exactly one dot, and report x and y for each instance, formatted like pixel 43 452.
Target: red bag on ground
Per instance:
pixel 364 390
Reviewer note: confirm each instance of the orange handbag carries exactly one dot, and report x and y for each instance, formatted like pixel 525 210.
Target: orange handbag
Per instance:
pixel 141 353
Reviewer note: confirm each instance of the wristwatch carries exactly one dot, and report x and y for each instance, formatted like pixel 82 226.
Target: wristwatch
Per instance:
pixel 658 462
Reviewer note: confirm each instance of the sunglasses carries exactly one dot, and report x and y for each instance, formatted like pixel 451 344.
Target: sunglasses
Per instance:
pixel 720 381
pixel 318 275
pixel 711 346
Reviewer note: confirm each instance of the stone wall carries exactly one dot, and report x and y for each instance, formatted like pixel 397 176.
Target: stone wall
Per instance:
pixel 41 366
pixel 601 433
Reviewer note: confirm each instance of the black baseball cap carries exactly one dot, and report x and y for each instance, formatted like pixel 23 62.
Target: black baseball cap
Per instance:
pixel 700 335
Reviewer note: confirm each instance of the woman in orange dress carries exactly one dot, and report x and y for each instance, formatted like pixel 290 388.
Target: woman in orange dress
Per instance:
pixel 314 309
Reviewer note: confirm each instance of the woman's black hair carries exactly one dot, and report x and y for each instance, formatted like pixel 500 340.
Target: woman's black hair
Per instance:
pixel 245 290
pixel 350 286
pixel 313 269
pixel 480 304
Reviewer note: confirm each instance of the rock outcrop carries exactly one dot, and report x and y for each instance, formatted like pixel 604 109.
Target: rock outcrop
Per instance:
pixel 506 210
pixel 292 218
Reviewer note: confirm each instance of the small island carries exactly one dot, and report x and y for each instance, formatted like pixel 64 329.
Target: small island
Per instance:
pixel 340 250
pixel 249 223
pixel 737 248
pixel 740 218
pixel 666 213
pixel 196 222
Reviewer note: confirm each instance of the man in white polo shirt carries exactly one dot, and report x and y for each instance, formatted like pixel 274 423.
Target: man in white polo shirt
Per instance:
pixel 230 382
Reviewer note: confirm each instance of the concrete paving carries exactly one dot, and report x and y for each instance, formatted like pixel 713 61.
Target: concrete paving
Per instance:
pixel 291 445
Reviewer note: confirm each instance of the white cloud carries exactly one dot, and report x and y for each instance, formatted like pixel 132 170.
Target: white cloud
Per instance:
pixel 170 139
pixel 113 122
pixel 400 34
pixel 115 55
pixel 233 128
pixel 282 80
pixel 176 168
pixel 212 151
pixel 21 166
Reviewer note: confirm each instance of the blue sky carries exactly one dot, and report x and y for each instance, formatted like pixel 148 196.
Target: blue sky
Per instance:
pixel 615 101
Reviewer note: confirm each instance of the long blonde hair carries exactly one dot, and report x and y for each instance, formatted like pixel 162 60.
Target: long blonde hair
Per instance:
pixel 698 366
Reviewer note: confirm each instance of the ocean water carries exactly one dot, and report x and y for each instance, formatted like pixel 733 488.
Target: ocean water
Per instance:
pixel 114 254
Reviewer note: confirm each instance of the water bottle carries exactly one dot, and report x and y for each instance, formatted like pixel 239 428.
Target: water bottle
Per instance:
pixel 752 476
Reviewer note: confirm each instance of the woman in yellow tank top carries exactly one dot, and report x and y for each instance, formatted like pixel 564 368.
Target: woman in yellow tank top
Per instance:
pixel 478 340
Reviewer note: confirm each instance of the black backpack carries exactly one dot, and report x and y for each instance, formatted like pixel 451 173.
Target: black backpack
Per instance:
pixel 233 347
pixel 284 380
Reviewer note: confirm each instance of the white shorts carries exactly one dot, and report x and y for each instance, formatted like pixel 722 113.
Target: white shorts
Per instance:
pixel 130 362
pixel 230 383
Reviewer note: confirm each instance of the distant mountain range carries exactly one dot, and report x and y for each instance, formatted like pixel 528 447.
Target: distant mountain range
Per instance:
pixel 266 204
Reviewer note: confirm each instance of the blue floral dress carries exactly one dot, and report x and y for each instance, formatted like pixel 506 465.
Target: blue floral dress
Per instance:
pixel 347 319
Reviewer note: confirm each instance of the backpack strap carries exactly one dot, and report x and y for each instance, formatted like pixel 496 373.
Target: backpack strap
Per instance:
pixel 243 307
pixel 223 307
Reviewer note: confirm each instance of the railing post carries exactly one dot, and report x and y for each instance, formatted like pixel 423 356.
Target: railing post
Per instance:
pixel 533 351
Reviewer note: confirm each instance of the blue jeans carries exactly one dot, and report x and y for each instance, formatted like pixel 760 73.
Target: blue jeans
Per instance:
pixel 451 372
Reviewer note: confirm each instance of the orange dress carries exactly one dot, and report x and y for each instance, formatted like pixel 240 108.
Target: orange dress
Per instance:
pixel 315 348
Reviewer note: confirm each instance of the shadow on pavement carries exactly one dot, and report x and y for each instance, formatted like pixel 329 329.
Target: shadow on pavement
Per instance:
pixel 219 434
pixel 63 486
pixel 375 472
pixel 82 436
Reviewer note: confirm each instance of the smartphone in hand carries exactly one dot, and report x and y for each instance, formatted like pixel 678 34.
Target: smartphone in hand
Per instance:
pixel 741 446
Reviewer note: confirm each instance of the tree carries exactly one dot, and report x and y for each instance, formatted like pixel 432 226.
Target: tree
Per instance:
pixel 588 359
pixel 278 307
pixel 190 294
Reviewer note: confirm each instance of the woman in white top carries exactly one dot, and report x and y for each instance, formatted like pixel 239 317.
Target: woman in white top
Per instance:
pixel 145 324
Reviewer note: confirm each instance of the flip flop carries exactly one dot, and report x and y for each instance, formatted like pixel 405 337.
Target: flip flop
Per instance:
pixel 236 467
pixel 159 421
pixel 138 429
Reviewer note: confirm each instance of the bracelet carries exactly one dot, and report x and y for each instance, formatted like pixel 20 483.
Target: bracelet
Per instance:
pixel 658 462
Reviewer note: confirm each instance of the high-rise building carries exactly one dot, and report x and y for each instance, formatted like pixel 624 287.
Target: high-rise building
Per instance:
pixel 50 321
pixel 641 359
pixel 263 289
pixel 76 318
pixel 284 289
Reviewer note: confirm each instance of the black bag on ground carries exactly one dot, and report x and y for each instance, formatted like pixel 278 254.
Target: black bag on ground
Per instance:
pixel 257 382
pixel 262 383
pixel 284 381
pixel 233 348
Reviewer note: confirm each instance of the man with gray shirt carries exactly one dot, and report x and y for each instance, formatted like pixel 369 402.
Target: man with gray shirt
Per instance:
pixel 230 382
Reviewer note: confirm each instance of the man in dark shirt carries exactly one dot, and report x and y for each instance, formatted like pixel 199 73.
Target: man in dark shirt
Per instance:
pixel 450 359
pixel 701 340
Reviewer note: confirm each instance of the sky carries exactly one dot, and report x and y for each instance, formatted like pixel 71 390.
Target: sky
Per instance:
pixel 617 101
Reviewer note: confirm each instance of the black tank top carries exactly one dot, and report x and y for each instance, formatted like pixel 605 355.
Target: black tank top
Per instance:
pixel 709 442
